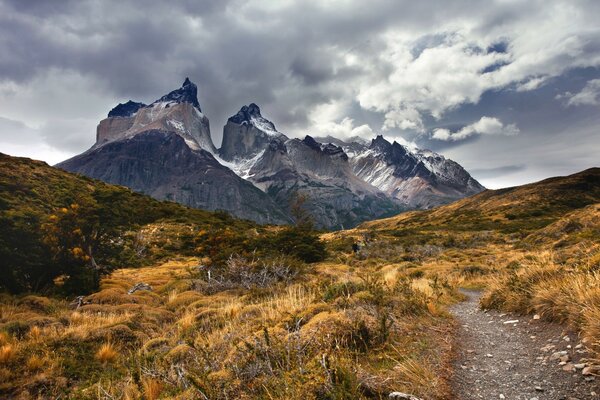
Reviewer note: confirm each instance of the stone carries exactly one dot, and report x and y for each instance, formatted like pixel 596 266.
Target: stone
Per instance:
pixel 569 367
pixel 565 358
pixel 591 370
pixel 400 395
pixel 557 355
pixel 536 316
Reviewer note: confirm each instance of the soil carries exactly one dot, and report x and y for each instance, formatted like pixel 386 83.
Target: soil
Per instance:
pixel 498 359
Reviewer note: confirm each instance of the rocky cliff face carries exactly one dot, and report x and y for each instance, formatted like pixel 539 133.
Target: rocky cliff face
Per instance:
pixel 177 111
pixel 416 179
pixel 246 134
pixel 162 165
pixel 287 168
pixel 165 150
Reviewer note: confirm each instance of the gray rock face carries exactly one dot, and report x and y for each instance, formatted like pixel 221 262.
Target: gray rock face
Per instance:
pixel 336 198
pixel 165 150
pixel 178 112
pixel 162 165
pixel 246 134
pixel 416 179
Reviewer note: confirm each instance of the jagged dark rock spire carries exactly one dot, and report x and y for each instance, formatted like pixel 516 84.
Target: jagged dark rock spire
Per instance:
pixel 125 109
pixel 187 93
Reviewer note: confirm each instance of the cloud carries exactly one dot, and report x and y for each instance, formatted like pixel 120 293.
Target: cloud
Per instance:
pixel 312 66
pixel 485 126
pixel 344 129
pixel 589 95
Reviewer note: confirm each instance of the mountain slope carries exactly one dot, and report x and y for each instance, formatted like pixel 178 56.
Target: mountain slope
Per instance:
pixel 165 150
pixel 517 209
pixel 31 192
pixel 417 179
pixel 287 168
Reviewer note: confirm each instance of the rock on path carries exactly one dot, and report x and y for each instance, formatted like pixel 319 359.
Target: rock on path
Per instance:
pixel 504 356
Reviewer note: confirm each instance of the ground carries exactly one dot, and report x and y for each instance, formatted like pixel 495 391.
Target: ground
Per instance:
pixel 497 360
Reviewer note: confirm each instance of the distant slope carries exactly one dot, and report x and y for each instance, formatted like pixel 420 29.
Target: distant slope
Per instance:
pixel 31 191
pixel 517 209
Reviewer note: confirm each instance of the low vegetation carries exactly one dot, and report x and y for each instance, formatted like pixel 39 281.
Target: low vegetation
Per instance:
pixel 108 294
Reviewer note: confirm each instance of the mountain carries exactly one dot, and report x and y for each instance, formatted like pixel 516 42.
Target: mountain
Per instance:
pixel 165 150
pixel 287 168
pixel 416 179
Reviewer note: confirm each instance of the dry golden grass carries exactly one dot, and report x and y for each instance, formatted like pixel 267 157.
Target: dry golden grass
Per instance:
pixel 107 353
pixel 152 388
pixel 35 363
pixel 7 353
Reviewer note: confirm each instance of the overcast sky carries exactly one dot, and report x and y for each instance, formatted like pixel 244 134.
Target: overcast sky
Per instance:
pixel 509 89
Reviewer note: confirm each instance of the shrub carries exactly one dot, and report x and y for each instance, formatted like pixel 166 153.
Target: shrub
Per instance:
pixel 107 353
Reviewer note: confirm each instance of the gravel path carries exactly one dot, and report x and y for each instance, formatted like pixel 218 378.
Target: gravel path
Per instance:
pixel 498 359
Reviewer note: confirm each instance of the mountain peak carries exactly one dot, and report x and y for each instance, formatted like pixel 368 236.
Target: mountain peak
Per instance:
pixel 312 143
pixel 187 93
pixel 250 115
pixel 247 114
pixel 379 143
pixel 125 109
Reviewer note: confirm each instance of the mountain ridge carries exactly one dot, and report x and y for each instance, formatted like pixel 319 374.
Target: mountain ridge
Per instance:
pixel 343 183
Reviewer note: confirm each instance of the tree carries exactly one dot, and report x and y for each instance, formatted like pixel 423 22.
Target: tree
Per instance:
pixel 72 236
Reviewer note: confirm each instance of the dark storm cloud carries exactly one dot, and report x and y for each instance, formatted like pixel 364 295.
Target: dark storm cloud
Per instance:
pixel 407 68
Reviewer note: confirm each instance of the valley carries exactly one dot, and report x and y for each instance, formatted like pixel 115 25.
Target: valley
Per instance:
pixel 201 305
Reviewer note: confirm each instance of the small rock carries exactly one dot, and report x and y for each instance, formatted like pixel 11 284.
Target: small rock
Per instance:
pixel 539 389
pixel 579 366
pixel 547 348
pixel 489 355
pixel 536 316
pixel 502 396
pixel 512 321
pixel 579 346
pixel 565 358
pixel 566 338
pixel 557 355
pixel 591 370
pixel 400 395
pixel 569 367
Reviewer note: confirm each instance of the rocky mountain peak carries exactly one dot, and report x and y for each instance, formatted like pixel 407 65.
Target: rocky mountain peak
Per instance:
pixel 125 109
pixel 312 143
pixel 250 114
pixel 187 93
pixel 379 143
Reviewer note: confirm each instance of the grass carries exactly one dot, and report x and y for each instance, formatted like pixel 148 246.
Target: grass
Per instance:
pixel 249 343
pixel 355 326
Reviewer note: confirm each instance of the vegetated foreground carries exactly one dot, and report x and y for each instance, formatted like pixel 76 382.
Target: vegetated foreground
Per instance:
pixel 241 311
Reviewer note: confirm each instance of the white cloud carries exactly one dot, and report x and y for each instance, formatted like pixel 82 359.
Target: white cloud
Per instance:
pixel 458 69
pixel 485 126
pixel 589 95
pixel 344 129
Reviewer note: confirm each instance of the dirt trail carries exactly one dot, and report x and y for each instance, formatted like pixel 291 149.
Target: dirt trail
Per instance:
pixel 516 360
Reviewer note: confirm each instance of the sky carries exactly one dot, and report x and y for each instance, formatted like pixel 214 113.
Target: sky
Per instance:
pixel 510 89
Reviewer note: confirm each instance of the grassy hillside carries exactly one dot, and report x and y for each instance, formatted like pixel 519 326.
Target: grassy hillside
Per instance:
pixel 37 202
pixel 240 311
pixel 520 209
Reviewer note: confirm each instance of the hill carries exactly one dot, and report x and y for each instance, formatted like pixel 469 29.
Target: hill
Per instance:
pixel 36 200
pixel 520 209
